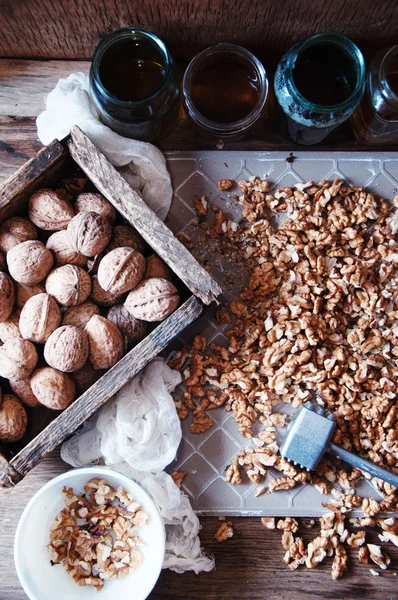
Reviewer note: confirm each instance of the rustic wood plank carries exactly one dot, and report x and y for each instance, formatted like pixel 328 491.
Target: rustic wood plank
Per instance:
pixel 24 84
pixel 54 29
pixel 126 200
pixel 36 173
pixel 103 389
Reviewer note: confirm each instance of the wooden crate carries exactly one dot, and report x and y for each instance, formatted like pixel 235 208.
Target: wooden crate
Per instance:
pixel 47 428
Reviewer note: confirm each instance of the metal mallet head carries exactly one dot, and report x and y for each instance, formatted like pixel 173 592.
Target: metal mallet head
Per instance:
pixel 308 437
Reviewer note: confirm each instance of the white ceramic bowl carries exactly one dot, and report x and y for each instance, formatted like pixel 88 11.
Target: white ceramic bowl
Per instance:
pixel 41 581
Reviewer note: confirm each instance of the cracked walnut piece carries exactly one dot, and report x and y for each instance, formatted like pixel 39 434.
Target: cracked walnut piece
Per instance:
pixel 224 532
pixel 95 536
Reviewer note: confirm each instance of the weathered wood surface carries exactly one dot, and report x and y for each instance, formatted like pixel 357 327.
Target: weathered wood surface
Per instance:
pixel 55 29
pixel 129 204
pixel 248 567
pixel 36 173
pixel 103 389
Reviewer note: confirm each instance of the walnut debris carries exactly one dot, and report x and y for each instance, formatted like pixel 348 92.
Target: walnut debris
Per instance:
pixel 224 532
pixel 178 477
pixel 225 184
pixel 201 205
pixel 185 239
pixel 268 522
pixel 95 536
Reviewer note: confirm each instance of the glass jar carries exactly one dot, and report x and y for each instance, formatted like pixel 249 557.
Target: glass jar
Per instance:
pixel 319 84
pixel 376 120
pixel 134 85
pixel 224 91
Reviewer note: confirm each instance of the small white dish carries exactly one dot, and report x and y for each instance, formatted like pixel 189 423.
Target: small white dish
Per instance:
pixel 42 581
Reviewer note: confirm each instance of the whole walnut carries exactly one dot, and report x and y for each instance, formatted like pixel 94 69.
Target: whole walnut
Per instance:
pixel 18 358
pixel 29 262
pixel 121 270
pixel 133 330
pixel 106 342
pixel 7 296
pixel 67 349
pixel 24 292
pixel 49 210
pixel 13 419
pixel 89 233
pixel 89 202
pixel 69 285
pixel 10 329
pixel 3 262
pixel 79 315
pixel 155 267
pixel 152 300
pixel 23 390
pixel 86 377
pixel 124 235
pixel 52 388
pixel 39 318
pixel 62 249
pixel 100 296
pixel 14 231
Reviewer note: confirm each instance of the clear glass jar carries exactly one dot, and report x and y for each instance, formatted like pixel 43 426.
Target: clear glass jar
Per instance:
pixel 134 85
pixel 224 91
pixel 376 120
pixel 319 84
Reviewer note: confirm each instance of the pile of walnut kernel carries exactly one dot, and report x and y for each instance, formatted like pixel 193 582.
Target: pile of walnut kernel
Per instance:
pixel 318 316
pixel 95 536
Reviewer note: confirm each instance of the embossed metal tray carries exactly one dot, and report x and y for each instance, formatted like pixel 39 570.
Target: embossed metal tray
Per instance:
pixel 204 457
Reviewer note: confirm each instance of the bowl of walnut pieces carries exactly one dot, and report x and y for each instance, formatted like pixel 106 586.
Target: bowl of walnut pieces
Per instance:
pixel 88 531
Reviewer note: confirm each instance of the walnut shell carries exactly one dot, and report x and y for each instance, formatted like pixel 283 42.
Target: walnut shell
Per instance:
pixel 106 342
pixel 79 315
pixel 86 377
pixel 52 388
pixel 13 419
pixel 89 202
pixel 10 329
pixel 62 249
pixel 67 349
pixel 29 262
pixel 155 267
pixel 121 270
pixel 39 318
pixel 89 233
pixel 18 359
pixel 24 292
pixel 69 285
pixel 124 235
pixel 133 330
pixel 3 262
pixel 7 296
pixel 152 300
pixel 23 389
pixel 49 211
pixel 100 296
pixel 14 231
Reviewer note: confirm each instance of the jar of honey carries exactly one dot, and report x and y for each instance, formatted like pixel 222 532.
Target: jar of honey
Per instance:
pixel 224 91
pixel 134 85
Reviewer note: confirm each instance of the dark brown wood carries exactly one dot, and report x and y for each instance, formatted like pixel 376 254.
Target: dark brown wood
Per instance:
pixel 55 29
pixel 37 172
pixel 111 382
pixel 129 204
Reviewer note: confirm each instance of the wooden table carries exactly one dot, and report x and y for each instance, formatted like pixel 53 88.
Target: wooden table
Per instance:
pixel 248 566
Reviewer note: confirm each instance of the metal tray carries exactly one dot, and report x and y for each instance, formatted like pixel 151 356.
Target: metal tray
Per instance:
pixel 204 457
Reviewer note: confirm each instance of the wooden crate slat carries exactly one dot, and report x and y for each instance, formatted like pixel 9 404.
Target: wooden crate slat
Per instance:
pixel 71 418
pixel 33 175
pixel 116 189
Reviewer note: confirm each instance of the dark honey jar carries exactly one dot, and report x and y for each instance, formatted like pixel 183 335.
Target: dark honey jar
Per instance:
pixel 134 85
pixel 224 91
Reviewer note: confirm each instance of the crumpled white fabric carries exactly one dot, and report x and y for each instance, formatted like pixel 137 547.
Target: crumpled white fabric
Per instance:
pixel 140 163
pixel 138 432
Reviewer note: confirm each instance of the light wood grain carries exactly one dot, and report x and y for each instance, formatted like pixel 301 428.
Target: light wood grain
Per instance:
pixel 129 204
pixel 59 29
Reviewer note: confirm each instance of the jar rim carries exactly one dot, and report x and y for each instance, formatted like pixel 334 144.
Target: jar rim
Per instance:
pixel 383 73
pixel 216 127
pixel 115 36
pixel 335 40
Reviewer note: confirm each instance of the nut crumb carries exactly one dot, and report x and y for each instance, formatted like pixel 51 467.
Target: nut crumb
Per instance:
pixel 225 184
pixel 224 532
